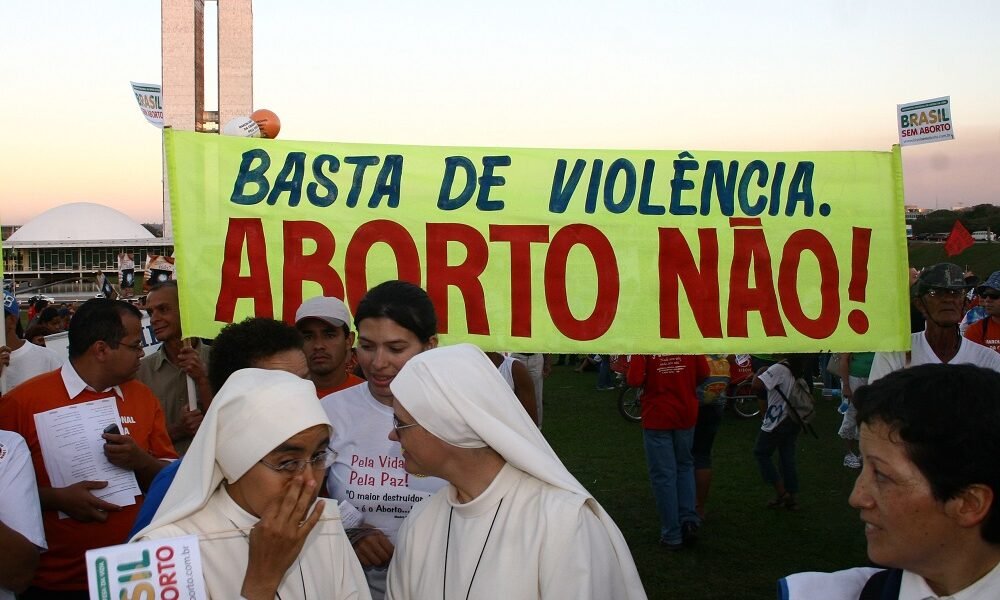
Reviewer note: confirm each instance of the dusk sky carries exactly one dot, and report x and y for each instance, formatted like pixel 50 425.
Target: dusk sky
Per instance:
pixel 824 75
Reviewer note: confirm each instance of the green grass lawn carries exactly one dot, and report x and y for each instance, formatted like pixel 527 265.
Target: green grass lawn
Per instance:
pixel 981 258
pixel 743 547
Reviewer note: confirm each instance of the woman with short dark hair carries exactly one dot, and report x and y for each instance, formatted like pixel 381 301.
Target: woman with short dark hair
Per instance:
pixel 929 489
pixel 395 321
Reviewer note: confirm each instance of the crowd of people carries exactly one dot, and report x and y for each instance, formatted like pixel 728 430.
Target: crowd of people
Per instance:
pixel 351 457
pixel 240 440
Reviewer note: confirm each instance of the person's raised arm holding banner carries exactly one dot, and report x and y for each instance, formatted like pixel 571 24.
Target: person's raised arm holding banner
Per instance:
pixel 171 370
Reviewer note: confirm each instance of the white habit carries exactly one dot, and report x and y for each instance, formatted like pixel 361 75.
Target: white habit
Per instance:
pixel 326 568
pixel 550 540
pixel 254 412
pixel 546 543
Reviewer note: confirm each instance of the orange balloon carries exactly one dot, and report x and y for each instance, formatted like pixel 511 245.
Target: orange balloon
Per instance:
pixel 267 121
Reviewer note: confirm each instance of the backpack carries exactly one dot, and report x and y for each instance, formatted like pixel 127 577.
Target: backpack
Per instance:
pixel 801 402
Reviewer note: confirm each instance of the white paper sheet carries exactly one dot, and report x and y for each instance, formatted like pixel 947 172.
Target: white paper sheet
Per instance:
pixel 73 449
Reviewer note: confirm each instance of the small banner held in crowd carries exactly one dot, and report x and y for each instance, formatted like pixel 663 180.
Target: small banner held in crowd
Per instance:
pixel 158 270
pixel 925 121
pixel 169 568
pixel 149 96
pixel 126 272
pixel 105 286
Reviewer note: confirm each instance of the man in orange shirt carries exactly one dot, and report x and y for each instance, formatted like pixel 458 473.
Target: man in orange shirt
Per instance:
pixel 987 330
pixel 105 345
pixel 325 325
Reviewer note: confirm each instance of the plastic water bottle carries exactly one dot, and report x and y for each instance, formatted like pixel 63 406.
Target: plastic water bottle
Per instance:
pixel 844 403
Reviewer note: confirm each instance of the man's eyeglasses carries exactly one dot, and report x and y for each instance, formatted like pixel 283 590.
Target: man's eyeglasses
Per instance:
pixel 994 296
pixel 136 347
pixel 321 460
pixel 397 424
pixel 945 293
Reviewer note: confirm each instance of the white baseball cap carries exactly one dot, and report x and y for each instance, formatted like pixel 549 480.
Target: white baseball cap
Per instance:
pixel 326 308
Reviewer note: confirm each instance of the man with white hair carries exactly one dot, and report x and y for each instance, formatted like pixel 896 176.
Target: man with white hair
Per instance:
pixel 938 293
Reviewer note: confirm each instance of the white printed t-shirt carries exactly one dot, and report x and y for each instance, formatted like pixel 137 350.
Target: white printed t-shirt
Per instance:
pixel 28 361
pixel 19 508
pixel 776 377
pixel 921 353
pixel 369 470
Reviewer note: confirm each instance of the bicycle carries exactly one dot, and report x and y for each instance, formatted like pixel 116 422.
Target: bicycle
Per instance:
pixel 630 403
pixel 740 397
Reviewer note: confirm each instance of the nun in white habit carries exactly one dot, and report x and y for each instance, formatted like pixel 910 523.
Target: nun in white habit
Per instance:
pixel 247 488
pixel 513 523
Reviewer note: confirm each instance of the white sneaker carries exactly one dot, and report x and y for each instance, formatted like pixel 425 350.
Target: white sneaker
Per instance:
pixel 852 461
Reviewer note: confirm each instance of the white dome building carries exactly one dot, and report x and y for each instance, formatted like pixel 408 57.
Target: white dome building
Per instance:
pixel 77 240
pixel 80 222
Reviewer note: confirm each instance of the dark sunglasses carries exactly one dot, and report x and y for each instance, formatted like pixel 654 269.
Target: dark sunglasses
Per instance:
pixel 993 296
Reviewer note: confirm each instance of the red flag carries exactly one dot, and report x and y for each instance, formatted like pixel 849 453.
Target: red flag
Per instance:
pixel 958 240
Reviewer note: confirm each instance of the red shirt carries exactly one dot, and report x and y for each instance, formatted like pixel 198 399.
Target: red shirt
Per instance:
pixel 351 381
pixel 990 337
pixel 62 567
pixel 668 384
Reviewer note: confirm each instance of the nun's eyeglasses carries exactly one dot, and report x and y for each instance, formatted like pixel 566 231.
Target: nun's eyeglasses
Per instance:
pixel 319 461
pixel 397 424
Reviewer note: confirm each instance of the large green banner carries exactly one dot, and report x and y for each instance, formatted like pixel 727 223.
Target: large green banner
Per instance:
pixel 620 251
